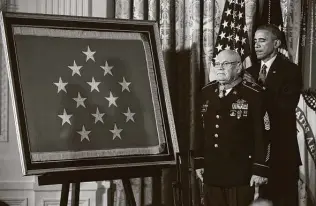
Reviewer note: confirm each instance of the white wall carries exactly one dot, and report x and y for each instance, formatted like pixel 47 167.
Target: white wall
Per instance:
pixel 16 189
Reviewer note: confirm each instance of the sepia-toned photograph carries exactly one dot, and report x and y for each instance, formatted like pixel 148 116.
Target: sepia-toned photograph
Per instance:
pixel 158 102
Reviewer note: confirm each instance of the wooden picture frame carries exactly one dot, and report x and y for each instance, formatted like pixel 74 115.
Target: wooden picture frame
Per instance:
pixel 88 93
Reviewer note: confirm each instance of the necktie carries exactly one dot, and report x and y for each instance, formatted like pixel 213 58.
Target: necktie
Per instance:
pixel 222 88
pixel 262 74
pixel 222 91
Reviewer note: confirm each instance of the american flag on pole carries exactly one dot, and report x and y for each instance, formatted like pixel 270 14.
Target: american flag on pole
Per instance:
pixel 306 130
pixel 272 14
pixel 88 93
pixel 233 32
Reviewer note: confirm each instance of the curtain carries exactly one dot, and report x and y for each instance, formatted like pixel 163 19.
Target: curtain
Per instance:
pixel 188 30
pixel 307 44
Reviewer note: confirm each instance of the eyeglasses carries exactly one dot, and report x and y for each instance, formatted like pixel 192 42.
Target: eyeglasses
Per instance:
pixel 224 64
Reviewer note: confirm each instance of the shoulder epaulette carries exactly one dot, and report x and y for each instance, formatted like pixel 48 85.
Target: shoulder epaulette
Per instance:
pixel 210 83
pixel 252 85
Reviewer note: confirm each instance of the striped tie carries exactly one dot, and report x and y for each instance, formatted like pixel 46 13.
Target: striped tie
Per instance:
pixel 262 75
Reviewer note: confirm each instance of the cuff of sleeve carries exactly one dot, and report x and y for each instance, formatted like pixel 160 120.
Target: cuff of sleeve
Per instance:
pixel 260 169
pixel 198 162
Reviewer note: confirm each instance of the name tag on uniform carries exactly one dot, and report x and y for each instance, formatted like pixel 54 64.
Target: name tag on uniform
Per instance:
pixel 239 109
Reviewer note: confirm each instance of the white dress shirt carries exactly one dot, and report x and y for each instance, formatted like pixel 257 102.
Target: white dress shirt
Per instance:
pixel 268 63
pixel 227 91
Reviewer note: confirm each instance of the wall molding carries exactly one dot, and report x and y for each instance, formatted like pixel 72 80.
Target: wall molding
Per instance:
pixel 14 185
pixel 84 186
pixel 32 185
pixel 55 202
pixel 15 201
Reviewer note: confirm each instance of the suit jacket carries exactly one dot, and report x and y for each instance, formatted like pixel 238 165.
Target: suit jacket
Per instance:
pixel 230 137
pixel 281 95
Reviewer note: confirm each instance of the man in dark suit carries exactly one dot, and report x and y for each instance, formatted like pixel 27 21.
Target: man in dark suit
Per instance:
pixel 282 82
pixel 231 138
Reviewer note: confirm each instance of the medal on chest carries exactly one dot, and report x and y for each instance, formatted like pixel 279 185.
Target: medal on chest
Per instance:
pixel 239 109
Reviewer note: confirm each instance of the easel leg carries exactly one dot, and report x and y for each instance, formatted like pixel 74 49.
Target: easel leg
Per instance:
pixel 157 189
pixel 64 194
pixel 129 192
pixel 75 194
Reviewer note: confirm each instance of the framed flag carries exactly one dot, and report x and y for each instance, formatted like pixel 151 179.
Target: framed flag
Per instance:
pixel 88 93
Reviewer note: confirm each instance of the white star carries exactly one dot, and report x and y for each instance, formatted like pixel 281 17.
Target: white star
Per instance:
pixel 89 54
pixel 75 69
pixel 227 47
pixel 222 35
pixel 243 40
pixel 98 116
pixel 111 99
pixel 231 1
pixel 237 38
pixel 65 117
pixel 61 85
pixel 225 24
pixel 242 51
pixel 236 2
pixel 242 4
pixel 238 27
pixel 94 85
pixel 232 25
pixel 236 50
pixel 219 47
pixel 107 69
pixel 125 85
pixel 80 100
pixel 116 132
pixel 129 115
pixel 229 37
pixel 240 15
pixel 245 28
pixel 228 12
pixel 84 134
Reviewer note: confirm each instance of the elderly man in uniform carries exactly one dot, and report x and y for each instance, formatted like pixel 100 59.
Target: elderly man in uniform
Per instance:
pixel 231 140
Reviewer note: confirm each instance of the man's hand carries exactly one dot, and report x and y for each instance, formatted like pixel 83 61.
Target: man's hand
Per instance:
pixel 257 180
pixel 247 76
pixel 199 173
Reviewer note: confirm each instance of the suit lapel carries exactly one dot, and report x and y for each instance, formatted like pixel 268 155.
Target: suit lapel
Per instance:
pixel 255 71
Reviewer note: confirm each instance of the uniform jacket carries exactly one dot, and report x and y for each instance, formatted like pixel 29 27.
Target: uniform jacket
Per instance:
pixel 230 138
pixel 281 95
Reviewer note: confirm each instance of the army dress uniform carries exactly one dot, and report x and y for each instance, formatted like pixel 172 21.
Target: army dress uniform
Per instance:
pixel 230 139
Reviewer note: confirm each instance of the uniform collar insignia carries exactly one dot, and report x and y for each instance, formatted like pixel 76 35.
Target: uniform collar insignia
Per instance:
pixel 232 84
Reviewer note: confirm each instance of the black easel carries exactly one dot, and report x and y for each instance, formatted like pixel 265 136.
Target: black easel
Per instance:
pixel 76 191
pixel 76 177
pixel 177 186
pixel 181 199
